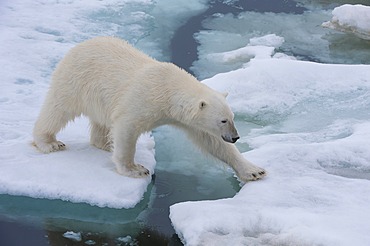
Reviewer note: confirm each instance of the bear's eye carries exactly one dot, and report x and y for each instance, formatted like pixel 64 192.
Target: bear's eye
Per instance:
pixel 223 121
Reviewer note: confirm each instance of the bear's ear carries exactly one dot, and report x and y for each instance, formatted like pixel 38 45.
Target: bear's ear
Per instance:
pixel 225 94
pixel 202 104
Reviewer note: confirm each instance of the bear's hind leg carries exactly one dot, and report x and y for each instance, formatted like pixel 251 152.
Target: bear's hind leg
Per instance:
pixel 99 137
pixel 51 120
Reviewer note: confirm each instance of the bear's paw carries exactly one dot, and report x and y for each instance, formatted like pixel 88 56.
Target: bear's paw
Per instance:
pixel 133 171
pixel 49 147
pixel 251 173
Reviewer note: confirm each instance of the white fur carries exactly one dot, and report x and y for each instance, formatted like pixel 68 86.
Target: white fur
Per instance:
pixel 125 93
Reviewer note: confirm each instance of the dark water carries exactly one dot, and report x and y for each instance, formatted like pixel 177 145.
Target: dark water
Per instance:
pixel 27 221
pixel 183 44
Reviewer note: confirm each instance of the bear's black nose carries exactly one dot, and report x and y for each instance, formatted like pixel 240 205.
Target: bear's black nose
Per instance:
pixel 235 139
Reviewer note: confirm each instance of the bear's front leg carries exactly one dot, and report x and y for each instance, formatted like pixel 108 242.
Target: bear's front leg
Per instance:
pixel 124 146
pixel 226 152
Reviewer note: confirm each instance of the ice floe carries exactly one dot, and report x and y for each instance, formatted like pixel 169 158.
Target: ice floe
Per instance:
pixel 351 19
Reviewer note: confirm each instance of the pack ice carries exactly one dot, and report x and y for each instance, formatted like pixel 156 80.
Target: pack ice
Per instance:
pixel 314 140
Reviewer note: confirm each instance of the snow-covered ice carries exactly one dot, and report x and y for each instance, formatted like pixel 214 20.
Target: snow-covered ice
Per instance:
pixel 81 173
pixel 273 89
pixel 316 149
pixel 308 123
pixel 351 19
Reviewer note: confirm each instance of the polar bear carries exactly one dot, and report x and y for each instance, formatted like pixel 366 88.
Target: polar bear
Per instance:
pixel 125 93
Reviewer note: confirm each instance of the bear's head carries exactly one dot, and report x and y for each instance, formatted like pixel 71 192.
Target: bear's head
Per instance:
pixel 216 117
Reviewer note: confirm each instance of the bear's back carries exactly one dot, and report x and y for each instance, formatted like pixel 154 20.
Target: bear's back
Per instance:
pixel 96 74
pixel 108 52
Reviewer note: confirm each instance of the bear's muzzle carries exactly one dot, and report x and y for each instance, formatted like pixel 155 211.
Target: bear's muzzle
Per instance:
pixel 230 139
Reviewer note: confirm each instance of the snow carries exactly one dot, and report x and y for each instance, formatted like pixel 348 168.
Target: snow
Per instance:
pixel 315 148
pixel 300 201
pixel 351 19
pixel 35 35
pixel 276 92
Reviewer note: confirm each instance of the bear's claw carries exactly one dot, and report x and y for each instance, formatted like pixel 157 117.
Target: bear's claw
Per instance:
pixel 262 173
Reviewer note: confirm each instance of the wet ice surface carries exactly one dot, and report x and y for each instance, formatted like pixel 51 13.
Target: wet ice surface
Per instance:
pixel 306 123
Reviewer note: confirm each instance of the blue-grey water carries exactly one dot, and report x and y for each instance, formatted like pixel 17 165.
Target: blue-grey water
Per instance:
pixel 28 221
